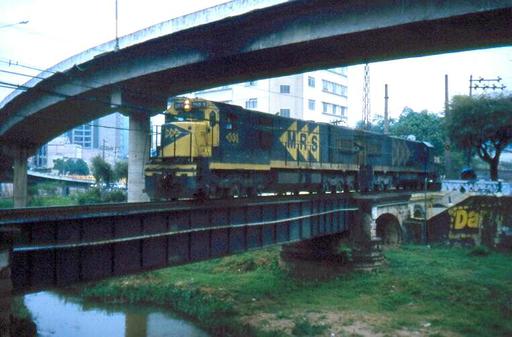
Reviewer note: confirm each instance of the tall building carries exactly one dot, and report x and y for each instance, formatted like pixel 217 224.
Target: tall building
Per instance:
pixel 106 137
pixel 85 135
pixel 319 95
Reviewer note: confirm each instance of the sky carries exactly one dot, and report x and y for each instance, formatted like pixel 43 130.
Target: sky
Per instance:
pixel 58 29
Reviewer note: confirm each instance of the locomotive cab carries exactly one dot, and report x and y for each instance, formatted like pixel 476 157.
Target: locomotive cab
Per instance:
pixel 187 141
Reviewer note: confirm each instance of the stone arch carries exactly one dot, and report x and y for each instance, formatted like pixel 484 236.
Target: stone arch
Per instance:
pixel 388 229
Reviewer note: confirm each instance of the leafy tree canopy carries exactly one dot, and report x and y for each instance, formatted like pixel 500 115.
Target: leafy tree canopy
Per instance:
pixel 424 126
pixel 102 171
pixel 482 123
pixel 377 125
pixel 121 170
pixel 71 166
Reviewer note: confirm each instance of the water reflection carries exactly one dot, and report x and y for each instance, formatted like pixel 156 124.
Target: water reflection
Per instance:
pixel 62 316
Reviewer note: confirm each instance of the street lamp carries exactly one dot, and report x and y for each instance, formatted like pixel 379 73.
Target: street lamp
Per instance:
pixel 15 24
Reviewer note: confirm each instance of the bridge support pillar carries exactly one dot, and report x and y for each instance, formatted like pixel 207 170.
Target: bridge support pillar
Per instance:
pixel 138 153
pixel 314 258
pixel 366 246
pixel 20 179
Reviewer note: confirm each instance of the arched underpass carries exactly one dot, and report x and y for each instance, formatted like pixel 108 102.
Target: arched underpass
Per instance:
pixel 388 229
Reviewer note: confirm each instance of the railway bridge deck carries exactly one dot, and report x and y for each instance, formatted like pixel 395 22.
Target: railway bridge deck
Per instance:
pixel 59 246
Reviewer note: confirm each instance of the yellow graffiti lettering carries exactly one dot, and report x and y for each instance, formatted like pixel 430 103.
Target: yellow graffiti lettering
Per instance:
pixel 463 218
pixel 473 218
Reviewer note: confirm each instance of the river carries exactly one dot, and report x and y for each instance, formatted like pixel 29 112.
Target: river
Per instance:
pixel 59 315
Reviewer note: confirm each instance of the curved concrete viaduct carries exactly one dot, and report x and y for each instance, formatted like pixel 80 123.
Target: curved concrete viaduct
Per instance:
pixel 283 38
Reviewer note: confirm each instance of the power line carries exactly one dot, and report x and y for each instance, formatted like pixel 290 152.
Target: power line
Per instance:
pixel 73 81
pixel 58 94
pixel 50 119
pixel 15 24
pixel 21 74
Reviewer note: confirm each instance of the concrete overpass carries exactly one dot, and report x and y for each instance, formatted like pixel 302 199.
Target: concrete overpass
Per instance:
pixel 211 48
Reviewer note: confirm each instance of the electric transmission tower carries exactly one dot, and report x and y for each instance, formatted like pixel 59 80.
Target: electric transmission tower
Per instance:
pixel 366 97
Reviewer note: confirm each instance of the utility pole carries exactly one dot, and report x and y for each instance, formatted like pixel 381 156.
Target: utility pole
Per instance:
pixel 484 84
pixel 366 98
pixel 117 31
pixel 103 150
pixel 447 152
pixel 386 113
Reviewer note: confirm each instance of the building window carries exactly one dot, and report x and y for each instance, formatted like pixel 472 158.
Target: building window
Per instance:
pixel 311 81
pixel 333 109
pixel 284 112
pixel 334 88
pixel 340 71
pixel 251 103
pixel 284 89
pixel 311 104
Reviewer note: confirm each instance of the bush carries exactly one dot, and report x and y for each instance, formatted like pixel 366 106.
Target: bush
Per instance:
pixel 92 196
pixel 6 203
pixel 304 328
pixel 479 251
pixel 114 196
pixel 96 196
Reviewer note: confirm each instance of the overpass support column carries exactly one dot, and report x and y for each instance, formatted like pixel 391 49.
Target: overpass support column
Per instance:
pixel 138 153
pixel 20 179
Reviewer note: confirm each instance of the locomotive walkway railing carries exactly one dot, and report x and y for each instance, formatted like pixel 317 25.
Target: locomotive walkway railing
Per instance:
pixel 61 246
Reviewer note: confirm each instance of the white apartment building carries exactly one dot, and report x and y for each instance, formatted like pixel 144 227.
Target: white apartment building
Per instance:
pixel 319 96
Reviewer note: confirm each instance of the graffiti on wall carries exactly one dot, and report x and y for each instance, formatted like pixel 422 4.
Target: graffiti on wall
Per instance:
pixel 464 222
pixel 478 220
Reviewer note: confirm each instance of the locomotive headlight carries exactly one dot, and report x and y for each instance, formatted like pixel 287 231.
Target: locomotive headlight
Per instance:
pixel 187 106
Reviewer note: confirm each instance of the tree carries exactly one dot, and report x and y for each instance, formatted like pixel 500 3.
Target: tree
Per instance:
pixel 482 123
pixel 377 125
pixel 424 125
pixel 59 165
pixel 102 171
pixel 121 170
pixel 71 166
pixel 76 166
pixel 80 167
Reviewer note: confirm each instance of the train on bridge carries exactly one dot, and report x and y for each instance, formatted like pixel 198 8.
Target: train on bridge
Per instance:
pixel 208 149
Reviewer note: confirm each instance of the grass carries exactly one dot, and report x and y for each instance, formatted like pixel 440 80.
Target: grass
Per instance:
pixel 22 323
pixel 6 203
pixel 91 196
pixel 40 201
pixel 436 291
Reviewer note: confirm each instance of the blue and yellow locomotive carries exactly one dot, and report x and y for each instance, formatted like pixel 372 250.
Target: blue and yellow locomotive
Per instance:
pixel 210 149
